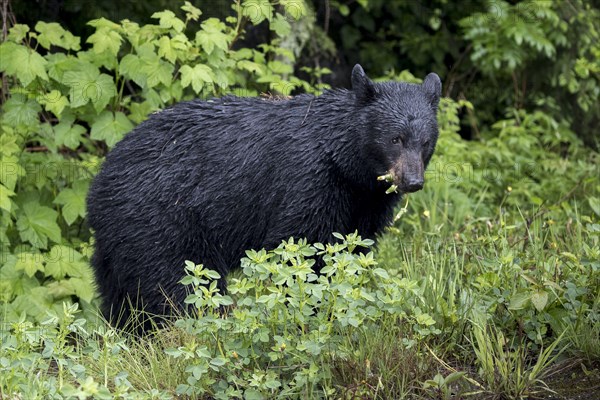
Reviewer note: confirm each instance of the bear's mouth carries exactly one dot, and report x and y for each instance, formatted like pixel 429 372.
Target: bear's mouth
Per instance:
pixel 412 187
pixel 406 175
pixel 399 185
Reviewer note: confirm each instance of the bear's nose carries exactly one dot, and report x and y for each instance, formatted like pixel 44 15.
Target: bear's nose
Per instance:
pixel 413 185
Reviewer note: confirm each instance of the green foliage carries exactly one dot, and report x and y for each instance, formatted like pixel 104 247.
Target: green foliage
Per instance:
pixel 355 330
pixel 290 323
pixel 67 105
pixel 505 37
pixel 284 330
pixel 486 277
pixel 509 232
pixel 499 55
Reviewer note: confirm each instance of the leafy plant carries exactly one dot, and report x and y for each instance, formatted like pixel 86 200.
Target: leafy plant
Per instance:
pixel 289 322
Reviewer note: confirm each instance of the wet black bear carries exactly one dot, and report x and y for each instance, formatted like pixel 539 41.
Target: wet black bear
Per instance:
pixel 206 180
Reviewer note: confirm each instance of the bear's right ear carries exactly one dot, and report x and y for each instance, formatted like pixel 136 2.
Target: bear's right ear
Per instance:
pixel 362 86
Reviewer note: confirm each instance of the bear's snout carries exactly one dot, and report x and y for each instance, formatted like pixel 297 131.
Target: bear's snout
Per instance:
pixel 409 173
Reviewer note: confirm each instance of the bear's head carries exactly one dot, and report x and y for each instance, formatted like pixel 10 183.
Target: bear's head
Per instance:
pixel 399 126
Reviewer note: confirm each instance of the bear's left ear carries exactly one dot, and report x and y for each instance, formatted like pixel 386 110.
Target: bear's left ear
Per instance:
pixel 362 86
pixel 433 87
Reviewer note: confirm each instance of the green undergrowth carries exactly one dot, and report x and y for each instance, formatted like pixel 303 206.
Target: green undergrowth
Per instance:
pixel 428 319
pixel 487 285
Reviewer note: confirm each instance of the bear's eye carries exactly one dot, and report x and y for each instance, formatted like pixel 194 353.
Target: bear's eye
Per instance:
pixel 426 144
pixel 397 140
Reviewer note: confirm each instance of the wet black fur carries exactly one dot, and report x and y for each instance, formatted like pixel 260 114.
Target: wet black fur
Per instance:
pixel 206 180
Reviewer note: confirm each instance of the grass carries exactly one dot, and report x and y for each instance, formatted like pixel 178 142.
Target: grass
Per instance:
pixel 380 366
pixel 145 362
pixel 506 367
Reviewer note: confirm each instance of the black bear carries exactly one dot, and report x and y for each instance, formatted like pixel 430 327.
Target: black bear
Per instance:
pixel 206 180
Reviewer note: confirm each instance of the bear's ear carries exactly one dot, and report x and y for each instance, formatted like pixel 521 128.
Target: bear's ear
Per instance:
pixel 362 86
pixel 432 85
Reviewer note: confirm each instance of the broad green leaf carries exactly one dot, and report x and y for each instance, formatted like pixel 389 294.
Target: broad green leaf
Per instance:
pixel 50 34
pixel 224 80
pixel 519 300
pixel 59 63
pixel 367 296
pixel 101 92
pixel 63 261
pixel 35 302
pixel 82 288
pixel 297 9
pixel 595 204
pixel 85 84
pixel 11 171
pixel 172 92
pixel 140 111
pixel 73 200
pixel 85 289
pixel 54 101
pixel 241 54
pixel 29 262
pixel 22 62
pixel 180 42
pixel 131 30
pixel 381 273
pixel 196 76
pixel 218 361
pixel 539 299
pixel 344 10
pixel 250 66
pixel 71 41
pixel 17 33
pixel 171 48
pixel 12 281
pixel 146 68
pixel 280 26
pixel 166 50
pixel 104 23
pixel 425 319
pixel 279 67
pixel 78 72
pixel 36 224
pixel 168 19
pixel 273 383
pixel 5 195
pixel 257 10
pixel 21 112
pixel 60 289
pixel 110 127
pixel 212 36
pixel 8 145
pixel 582 68
pixel 68 134
pixel 98 90
pixel 153 98
pixel 106 39
pixel 158 71
pixel 191 12
pixel 131 67
pixel 251 394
